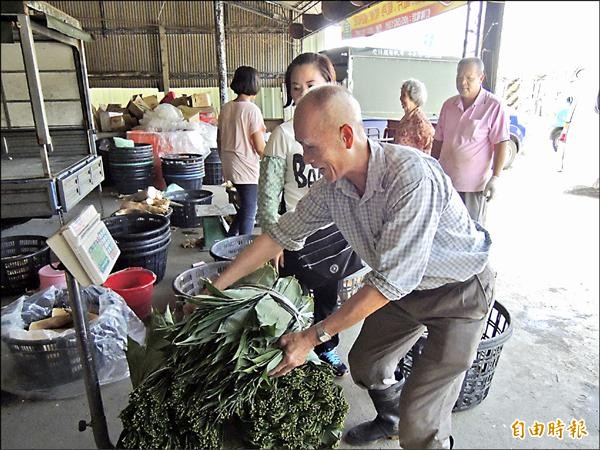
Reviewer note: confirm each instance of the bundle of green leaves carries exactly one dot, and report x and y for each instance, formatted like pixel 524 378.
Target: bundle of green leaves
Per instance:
pixel 196 376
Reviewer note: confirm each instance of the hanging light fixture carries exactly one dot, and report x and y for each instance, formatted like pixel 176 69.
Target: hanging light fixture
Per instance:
pixel 337 10
pixel 296 30
pixel 314 22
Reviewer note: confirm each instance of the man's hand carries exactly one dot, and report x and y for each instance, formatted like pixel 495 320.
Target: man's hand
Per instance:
pixel 278 261
pixel 490 188
pixel 188 308
pixel 296 347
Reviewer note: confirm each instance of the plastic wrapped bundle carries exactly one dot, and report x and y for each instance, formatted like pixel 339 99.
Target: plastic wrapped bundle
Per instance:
pixel 45 363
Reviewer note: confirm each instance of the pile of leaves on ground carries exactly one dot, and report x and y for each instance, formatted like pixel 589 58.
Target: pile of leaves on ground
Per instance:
pixel 209 371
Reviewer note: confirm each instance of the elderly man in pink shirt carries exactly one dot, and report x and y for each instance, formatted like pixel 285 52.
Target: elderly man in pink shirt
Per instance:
pixel 470 138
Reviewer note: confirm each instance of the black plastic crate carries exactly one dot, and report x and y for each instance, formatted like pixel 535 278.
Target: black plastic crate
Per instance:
pixel 184 206
pixel 478 379
pixel 22 257
pixel 154 260
pixel 213 174
pixel 50 362
pixel 137 227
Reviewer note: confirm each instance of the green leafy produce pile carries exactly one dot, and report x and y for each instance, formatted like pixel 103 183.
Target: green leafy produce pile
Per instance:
pixel 196 376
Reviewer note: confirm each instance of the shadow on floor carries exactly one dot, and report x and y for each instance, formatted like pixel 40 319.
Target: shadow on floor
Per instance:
pixel 586 191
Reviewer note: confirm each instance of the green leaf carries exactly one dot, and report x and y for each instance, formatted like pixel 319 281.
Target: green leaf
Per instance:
pixel 269 313
pixel 290 288
pixel 168 316
pixel 214 365
pixel 274 362
pixel 265 276
pixel 142 361
pixel 330 437
pixel 211 289
pixel 261 359
pixel 241 350
pixel 271 330
pixel 234 324
pixel 245 293
pixel 135 358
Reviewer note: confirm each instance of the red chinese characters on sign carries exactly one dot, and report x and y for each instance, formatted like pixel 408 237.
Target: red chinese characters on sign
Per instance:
pixel 388 15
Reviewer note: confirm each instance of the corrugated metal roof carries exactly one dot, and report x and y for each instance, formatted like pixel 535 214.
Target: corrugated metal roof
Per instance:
pixel 123 53
pixel 130 13
pixel 192 53
pixel 272 59
pixel 188 14
pixel 238 13
pixel 126 52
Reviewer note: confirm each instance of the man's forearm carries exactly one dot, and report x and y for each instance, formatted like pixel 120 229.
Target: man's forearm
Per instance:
pixel 436 149
pixel 500 154
pixel 362 304
pixel 261 250
pixel 296 346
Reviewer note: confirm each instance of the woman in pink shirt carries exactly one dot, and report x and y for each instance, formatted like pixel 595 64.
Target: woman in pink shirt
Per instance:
pixel 240 139
pixel 414 129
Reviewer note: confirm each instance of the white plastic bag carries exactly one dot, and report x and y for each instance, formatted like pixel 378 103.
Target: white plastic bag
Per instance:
pixel 46 363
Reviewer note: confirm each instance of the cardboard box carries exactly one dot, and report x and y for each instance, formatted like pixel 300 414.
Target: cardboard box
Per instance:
pixel 111 121
pixel 181 101
pixel 190 114
pixel 130 121
pixel 137 106
pixel 151 101
pixel 95 115
pixel 206 114
pixel 115 107
pixel 135 110
pixel 201 100
pixel 117 123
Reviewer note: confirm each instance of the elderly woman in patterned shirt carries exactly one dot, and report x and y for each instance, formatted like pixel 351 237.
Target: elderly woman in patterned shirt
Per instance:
pixel 414 129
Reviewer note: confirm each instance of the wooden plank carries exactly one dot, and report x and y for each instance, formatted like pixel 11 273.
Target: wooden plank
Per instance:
pixel 164 59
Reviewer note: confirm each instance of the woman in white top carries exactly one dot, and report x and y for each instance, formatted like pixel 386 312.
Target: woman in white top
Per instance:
pixel 284 174
pixel 240 139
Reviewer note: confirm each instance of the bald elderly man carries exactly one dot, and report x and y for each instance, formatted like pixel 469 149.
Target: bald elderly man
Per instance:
pixel 400 213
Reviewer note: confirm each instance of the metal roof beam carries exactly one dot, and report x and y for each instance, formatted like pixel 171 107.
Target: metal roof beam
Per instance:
pixel 172 75
pixel 284 5
pixel 184 30
pixel 256 11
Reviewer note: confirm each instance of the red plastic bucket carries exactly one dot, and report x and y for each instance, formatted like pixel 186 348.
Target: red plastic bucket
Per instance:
pixel 135 285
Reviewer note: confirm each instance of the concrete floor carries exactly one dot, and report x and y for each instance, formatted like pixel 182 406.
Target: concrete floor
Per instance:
pixel 546 254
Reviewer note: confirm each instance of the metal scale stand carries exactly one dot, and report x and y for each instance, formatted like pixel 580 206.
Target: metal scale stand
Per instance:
pixel 90 376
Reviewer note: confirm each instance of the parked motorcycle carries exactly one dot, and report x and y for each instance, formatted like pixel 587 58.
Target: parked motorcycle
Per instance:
pixel 562 117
